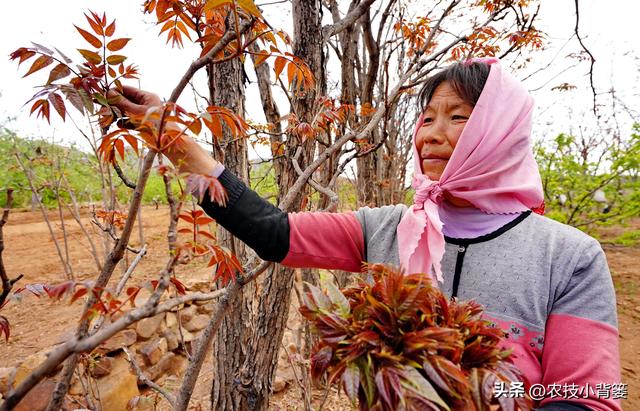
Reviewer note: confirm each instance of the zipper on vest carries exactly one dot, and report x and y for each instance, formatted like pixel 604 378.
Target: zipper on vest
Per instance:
pixel 462 249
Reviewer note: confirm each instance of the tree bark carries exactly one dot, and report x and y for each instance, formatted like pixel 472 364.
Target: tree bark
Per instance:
pixel 262 357
pixel 226 88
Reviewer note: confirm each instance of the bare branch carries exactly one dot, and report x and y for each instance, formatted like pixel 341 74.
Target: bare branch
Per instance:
pixel 123 177
pixel 353 16
pixel 146 380
pixel 7 284
pixel 333 197
pixel 132 267
pixel 593 59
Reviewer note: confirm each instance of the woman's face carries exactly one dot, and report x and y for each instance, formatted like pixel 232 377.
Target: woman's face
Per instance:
pixel 444 119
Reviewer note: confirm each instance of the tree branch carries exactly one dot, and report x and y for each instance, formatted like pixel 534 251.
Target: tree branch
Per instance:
pixel 335 28
pixel 124 178
pixel 593 59
pixel 7 284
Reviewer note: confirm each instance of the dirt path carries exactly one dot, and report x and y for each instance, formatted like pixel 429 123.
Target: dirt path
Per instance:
pixel 37 324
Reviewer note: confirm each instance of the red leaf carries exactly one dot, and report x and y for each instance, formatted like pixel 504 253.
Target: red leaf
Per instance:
pixel 119 146
pixel 23 54
pixel 81 292
pixel 91 56
pixel 4 327
pixel 111 28
pixel 116 59
pixel 186 218
pixel 40 63
pixel 91 39
pixel 58 72
pixel 117 44
pixel 180 288
pixel 279 65
pixel 204 220
pixel 95 25
pixel 58 103
pixel 60 290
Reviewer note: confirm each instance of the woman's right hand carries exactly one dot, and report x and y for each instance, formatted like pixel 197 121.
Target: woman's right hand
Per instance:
pixel 186 154
pixel 134 102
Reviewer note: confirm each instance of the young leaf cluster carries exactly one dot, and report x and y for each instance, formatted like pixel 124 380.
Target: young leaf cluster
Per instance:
pixel 398 343
pixel 84 85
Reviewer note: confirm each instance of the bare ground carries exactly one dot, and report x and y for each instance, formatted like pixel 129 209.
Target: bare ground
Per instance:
pixel 39 323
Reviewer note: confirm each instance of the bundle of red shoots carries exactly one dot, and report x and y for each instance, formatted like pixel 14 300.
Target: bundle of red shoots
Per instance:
pixel 395 342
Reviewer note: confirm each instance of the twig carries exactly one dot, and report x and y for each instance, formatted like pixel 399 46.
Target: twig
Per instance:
pixel 346 21
pixel 593 59
pixel 30 178
pixel 7 284
pixel 333 197
pixel 146 380
pixel 109 231
pixel 124 178
pixel 132 267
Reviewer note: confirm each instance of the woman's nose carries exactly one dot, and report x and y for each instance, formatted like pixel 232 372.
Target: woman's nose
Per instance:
pixel 433 134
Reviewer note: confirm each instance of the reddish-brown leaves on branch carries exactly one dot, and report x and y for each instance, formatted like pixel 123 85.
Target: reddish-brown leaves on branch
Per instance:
pixel 415 34
pixel 89 81
pixel 299 75
pixel 40 63
pixel 91 39
pixel 227 264
pixel 214 117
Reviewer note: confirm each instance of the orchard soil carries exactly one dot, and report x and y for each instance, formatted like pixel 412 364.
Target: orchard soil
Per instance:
pixel 39 323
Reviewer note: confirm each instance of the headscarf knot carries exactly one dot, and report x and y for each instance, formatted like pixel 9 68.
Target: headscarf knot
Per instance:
pixel 426 190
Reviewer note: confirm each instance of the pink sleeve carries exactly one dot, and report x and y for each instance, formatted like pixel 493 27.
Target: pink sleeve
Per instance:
pixel 584 353
pixel 325 240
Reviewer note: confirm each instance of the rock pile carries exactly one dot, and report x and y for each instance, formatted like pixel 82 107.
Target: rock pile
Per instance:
pixel 158 344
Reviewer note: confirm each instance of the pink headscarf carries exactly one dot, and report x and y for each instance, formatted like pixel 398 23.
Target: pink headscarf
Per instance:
pixel 492 167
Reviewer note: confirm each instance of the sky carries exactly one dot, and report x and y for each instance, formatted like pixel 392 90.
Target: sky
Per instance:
pixel 607 28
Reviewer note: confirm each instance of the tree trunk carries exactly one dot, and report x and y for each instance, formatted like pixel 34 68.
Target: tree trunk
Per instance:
pixel 226 89
pixel 262 359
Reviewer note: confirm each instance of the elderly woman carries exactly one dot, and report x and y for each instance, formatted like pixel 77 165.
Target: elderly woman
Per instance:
pixel 471 226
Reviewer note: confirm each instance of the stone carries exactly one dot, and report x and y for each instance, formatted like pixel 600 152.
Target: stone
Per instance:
pixel 207 308
pixel 76 387
pixel 124 338
pixel 279 384
pixel 187 313
pixel 102 367
pixel 173 342
pixel 141 298
pixel 197 323
pixel 187 336
pixel 38 398
pixel 178 365
pixel 147 327
pixel 28 365
pixel 171 320
pixel 198 285
pixel 163 365
pixel 117 388
pixel 153 350
pixel 7 375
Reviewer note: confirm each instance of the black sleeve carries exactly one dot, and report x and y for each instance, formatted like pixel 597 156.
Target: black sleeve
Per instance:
pixel 563 406
pixel 255 221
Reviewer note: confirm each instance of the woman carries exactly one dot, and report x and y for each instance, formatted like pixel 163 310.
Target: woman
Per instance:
pixel 471 227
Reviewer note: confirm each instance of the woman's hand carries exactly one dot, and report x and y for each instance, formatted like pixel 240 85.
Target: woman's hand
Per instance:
pixel 185 154
pixel 134 102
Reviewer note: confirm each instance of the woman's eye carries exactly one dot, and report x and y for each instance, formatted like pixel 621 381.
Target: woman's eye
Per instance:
pixel 427 120
pixel 459 117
